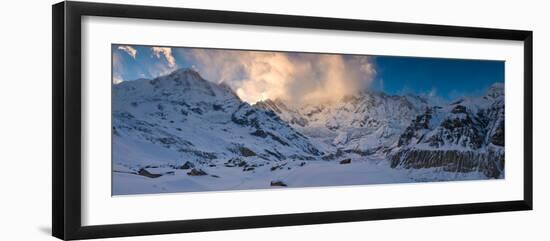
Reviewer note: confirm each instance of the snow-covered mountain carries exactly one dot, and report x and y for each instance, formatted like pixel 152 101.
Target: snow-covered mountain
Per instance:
pixel 466 135
pixel 182 117
pixel 413 132
pixel 364 123
pixel 180 132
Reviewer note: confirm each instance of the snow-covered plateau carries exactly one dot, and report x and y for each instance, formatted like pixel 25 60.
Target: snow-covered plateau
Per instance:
pixel 182 133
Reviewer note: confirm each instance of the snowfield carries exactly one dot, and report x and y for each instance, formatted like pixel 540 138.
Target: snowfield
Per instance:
pixel 311 174
pixel 182 133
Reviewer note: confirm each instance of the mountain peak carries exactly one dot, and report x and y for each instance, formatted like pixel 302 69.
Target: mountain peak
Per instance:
pixel 186 80
pixel 495 90
pixel 185 72
pixel 274 105
pixel 497 86
pixel 184 76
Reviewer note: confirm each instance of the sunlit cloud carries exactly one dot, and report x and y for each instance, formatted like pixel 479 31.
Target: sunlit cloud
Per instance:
pixel 297 78
pixel 117 80
pixel 167 53
pixel 129 50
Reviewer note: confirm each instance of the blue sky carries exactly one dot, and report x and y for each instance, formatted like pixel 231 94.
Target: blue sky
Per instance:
pixel 297 76
pixel 145 63
pixel 446 78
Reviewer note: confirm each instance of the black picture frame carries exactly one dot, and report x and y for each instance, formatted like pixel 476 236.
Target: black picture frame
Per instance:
pixel 66 168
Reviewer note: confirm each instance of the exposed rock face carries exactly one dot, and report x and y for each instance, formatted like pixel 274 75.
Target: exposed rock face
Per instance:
pixel 187 165
pixel 246 152
pixel 465 136
pixel 145 173
pixel 413 131
pixel 278 183
pixel 197 172
pixel 490 163
pixel 498 135
pixel 235 162
pixel 345 161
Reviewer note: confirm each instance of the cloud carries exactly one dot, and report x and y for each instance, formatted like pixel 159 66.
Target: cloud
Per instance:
pixel 117 69
pixel 129 50
pixel 167 53
pixel 117 80
pixel 296 78
pixel 159 69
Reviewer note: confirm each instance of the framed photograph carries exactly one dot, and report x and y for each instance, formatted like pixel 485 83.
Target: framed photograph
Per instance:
pixel 170 120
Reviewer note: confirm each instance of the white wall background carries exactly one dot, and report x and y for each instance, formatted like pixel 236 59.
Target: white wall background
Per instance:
pixel 25 120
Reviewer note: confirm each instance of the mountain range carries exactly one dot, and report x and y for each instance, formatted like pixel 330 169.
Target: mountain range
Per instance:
pixel 181 121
